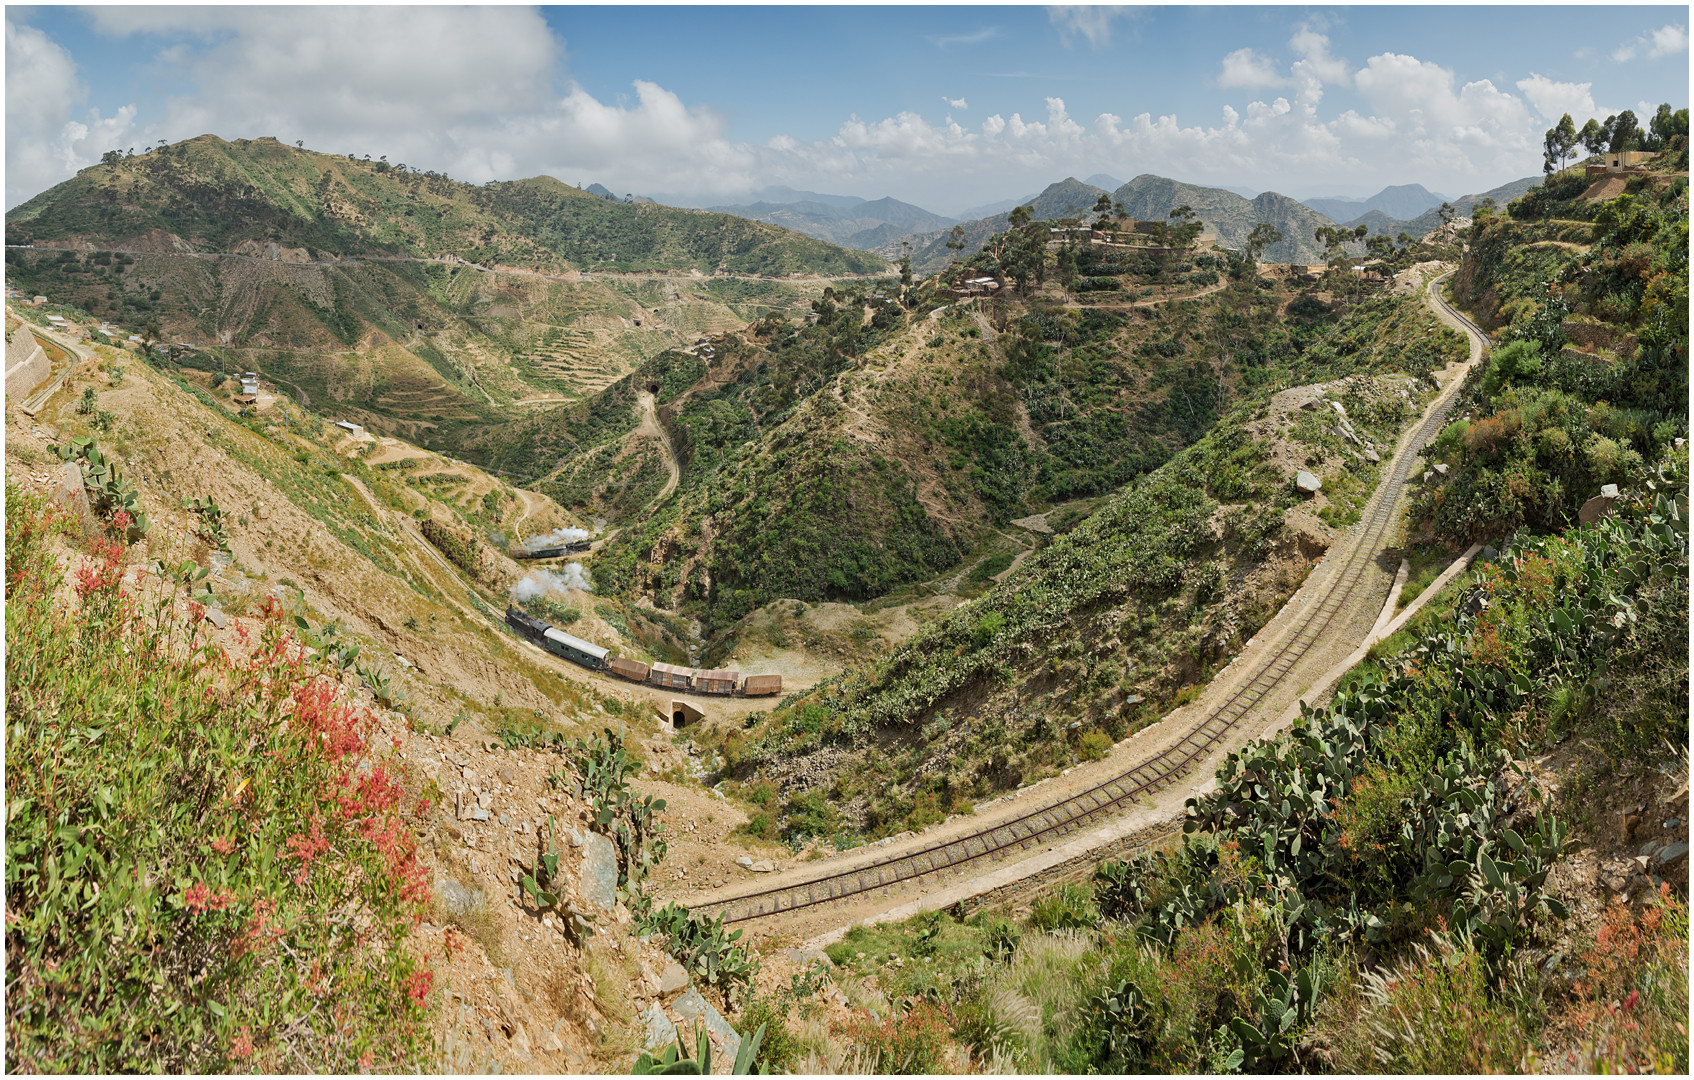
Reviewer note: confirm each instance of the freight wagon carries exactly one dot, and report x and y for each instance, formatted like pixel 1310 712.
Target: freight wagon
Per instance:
pixel 720 682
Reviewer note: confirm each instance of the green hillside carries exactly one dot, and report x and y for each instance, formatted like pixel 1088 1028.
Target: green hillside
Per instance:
pixel 406 301
pixel 1069 197
pixel 214 195
pixel 1152 198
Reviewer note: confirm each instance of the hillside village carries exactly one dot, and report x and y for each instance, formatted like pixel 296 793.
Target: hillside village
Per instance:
pixel 1146 629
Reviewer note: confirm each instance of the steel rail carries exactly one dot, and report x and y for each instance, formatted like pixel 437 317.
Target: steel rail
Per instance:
pixel 1056 819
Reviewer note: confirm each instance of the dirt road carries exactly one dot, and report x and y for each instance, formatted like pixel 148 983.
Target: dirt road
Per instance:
pixel 651 428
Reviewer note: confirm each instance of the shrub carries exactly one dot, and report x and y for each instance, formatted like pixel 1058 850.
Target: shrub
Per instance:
pixel 1434 1014
pixel 1094 745
pixel 780 1049
pixel 1069 907
pixel 914 1043
pixel 461 550
pixel 218 875
pixel 1631 1009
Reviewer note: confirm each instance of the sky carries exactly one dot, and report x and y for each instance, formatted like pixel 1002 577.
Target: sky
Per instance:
pixel 944 107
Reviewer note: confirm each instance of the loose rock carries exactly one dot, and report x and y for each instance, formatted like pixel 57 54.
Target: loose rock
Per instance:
pixel 458 899
pixel 599 872
pixel 672 980
pixel 657 1027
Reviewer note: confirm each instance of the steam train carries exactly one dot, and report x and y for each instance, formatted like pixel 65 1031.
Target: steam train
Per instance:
pixel 552 551
pixel 721 683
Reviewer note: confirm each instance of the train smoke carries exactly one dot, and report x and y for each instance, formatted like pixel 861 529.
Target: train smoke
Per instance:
pixel 557 536
pixel 541 582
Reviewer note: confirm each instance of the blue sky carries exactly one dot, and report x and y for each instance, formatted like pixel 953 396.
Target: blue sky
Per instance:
pixel 945 107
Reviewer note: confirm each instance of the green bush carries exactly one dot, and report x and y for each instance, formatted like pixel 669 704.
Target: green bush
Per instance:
pixel 208 867
pixel 780 1050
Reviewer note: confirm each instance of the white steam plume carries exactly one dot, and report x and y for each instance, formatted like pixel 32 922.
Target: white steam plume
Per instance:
pixel 541 582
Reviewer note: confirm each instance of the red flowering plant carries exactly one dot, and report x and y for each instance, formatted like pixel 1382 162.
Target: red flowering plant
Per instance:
pixel 207 863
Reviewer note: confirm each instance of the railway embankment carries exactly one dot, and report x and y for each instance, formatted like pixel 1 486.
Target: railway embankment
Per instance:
pixel 1313 639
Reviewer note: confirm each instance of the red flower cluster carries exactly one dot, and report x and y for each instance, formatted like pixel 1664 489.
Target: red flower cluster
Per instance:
pixel 103 572
pixel 418 985
pixel 199 899
pixel 306 849
pixel 373 793
pixel 339 727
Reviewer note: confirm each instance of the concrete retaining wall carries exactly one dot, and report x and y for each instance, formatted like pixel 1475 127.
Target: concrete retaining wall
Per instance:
pixel 27 366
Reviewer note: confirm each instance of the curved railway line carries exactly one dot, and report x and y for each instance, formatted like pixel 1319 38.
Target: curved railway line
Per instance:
pixel 1049 822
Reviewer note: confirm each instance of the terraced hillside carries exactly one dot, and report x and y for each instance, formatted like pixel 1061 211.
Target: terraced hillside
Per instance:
pixel 410 302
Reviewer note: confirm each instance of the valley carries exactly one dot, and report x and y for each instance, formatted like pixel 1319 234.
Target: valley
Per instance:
pixel 1119 693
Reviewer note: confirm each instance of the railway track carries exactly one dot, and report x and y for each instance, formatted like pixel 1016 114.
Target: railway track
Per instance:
pixel 1060 818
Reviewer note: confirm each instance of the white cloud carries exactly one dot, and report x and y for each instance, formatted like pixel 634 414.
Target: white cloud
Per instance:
pixel 1247 70
pixel 1554 99
pixel 955 103
pixel 48 136
pixel 1092 22
pixel 1313 50
pixel 376 80
pixel 1667 40
pixel 1477 129
pixel 975 37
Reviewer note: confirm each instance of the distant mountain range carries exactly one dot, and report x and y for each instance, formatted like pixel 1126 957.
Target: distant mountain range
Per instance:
pixel 844 219
pixel 1380 224
pixel 885 226
pixel 1147 197
pixel 1401 202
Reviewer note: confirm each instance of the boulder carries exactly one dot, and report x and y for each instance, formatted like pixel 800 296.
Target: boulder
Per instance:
pixel 1442 467
pixel 672 980
pixel 1372 456
pixel 1596 508
pixel 70 495
pixel 763 866
pixel 691 1006
pixel 459 899
pixel 217 618
pixel 1308 483
pixel 744 860
pixel 1670 856
pixel 658 1031
pixel 599 872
